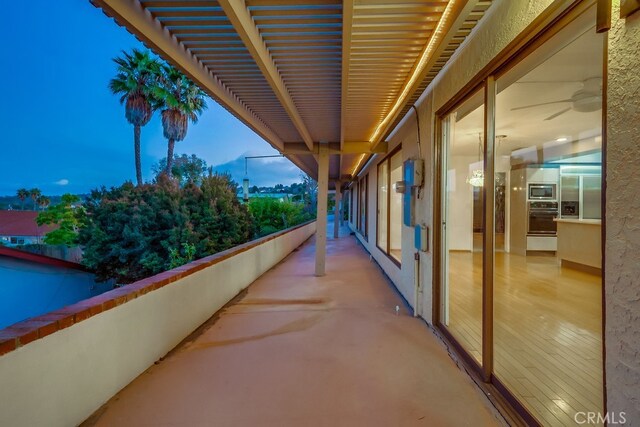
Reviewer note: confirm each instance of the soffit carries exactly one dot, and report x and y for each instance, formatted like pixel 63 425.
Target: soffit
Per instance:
pixel 387 39
pixel 461 33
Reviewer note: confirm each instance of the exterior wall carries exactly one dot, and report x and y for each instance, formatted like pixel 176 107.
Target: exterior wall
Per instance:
pixel 390 268
pixel 61 379
pixel 622 287
pixel 29 289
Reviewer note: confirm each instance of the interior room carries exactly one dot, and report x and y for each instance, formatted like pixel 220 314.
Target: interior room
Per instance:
pixel 547 222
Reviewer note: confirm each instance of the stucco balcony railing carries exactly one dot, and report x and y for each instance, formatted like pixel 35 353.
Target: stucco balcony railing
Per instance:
pixel 58 368
pixel 292 349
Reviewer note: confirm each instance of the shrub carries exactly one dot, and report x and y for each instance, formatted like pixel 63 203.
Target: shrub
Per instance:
pixel 271 215
pixel 132 232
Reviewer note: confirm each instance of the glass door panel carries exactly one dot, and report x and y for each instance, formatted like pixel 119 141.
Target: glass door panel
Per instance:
pixel 547 283
pixel 463 224
pixel 395 208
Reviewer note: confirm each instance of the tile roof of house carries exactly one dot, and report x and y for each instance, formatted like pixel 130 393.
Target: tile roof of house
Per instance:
pixel 22 223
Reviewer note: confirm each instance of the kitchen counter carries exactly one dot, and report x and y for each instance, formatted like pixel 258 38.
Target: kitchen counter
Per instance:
pixel 579 221
pixel 579 242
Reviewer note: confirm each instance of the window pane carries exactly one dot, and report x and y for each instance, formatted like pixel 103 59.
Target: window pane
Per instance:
pixel 395 208
pixel 383 216
pixel 464 179
pixel 363 206
pixel 547 282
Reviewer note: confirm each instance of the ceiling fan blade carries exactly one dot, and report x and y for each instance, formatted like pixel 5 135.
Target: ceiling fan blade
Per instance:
pixel 544 103
pixel 553 116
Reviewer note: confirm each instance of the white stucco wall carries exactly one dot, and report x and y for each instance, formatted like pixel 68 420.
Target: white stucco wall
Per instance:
pixel 622 247
pixel 61 379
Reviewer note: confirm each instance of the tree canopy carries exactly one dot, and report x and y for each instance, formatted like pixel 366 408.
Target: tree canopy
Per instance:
pixel 70 218
pixel 136 232
pixel 271 215
pixel 185 168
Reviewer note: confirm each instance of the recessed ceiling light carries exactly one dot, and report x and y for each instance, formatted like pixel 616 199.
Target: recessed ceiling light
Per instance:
pixel 563 139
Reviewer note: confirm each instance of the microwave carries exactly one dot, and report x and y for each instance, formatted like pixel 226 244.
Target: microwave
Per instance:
pixel 542 192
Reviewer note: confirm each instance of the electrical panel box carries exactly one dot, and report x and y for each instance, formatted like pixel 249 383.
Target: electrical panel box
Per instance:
pixel 412 174
pixel 421 237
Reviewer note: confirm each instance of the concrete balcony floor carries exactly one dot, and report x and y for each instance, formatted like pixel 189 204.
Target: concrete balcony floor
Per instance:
pixel 301 350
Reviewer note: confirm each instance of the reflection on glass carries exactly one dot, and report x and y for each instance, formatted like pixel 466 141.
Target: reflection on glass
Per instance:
pixel 464 166
pixel 395 208
pixel 547 282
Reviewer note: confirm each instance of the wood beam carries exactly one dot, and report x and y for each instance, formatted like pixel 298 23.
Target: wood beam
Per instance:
pixel 360 147
pixel 431 53
pixel 244 25
pixel 141 23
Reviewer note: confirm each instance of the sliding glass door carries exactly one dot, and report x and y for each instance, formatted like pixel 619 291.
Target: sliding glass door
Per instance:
pixel 547 283
pixel 526 284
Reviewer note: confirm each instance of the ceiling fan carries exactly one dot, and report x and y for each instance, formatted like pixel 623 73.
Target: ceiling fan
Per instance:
pixel 585 100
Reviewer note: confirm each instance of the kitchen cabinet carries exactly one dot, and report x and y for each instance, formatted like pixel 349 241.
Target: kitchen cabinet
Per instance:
pixel 543 174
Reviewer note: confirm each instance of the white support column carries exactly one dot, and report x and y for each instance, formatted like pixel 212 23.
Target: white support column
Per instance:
pixel 321 224
pixel 337 216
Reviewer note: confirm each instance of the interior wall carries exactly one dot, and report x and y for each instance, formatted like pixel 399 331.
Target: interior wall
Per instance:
pixel 622 287
pixel 460 209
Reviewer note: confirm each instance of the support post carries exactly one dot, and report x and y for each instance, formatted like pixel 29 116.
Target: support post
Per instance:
pixel 337 216
pixel 321 220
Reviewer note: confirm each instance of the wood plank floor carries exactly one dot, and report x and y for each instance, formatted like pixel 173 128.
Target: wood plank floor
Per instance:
pixel 547 333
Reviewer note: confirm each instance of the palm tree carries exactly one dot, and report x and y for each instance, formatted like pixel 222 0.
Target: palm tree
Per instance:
pixel 22 194
pixel 43 202
pixel 181 101
pixel 35 193
pixel 136 75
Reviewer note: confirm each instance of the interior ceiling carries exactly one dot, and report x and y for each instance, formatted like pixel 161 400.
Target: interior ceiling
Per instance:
pixel 304 72
pixel 554 72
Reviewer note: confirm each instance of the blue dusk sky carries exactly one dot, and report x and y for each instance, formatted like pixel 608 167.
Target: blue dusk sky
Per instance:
pixel 63 131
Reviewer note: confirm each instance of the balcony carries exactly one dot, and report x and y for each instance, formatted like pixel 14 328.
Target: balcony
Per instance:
pixel 290 349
